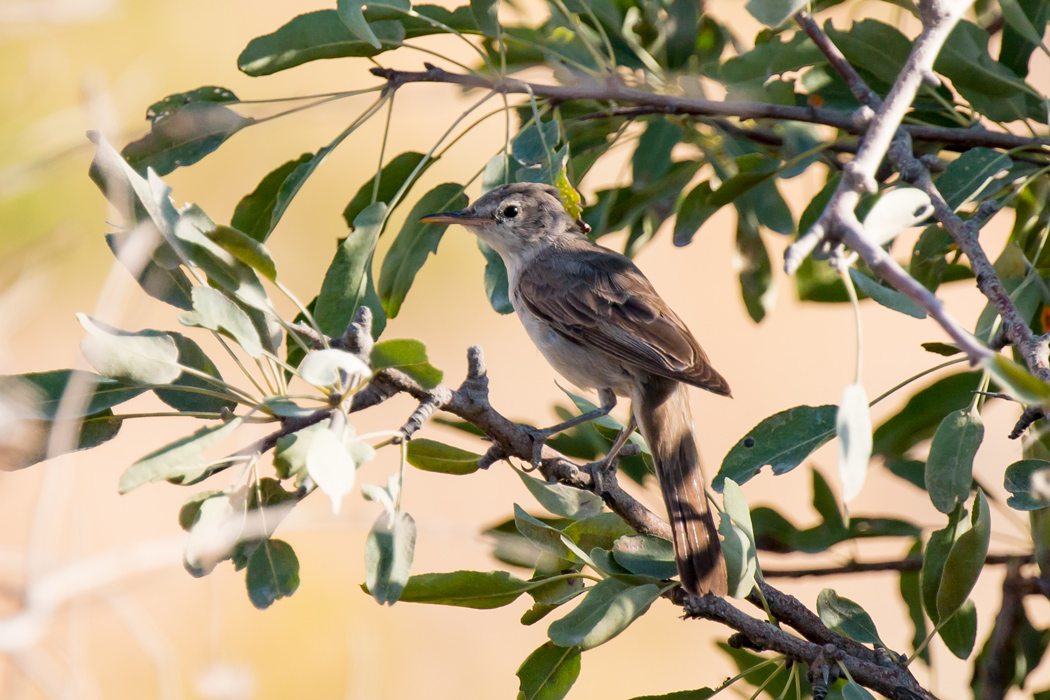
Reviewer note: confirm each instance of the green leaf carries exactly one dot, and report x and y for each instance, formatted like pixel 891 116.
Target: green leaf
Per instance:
pixel 409 356
pixel 600 530
pixel 190 511
pixel 1017 380
pixel 942 349
pixel 548 673
pixel 960 631
pixel 433 456
pixel 920 416
pixel 693 212
pixel 273 573
pixel 965 61
pixel 414 244
pixel 353 17
pixel 877 48
pixel 332 369
pixel 847 618
pixel 949 468
pixel 1015 51
pixel 937 549
pixel 531 146
pixel 184 457
pixel 184 135
pixel 164 283
pixel 255 211
pixel 561 500
pixel 48 388
pixel 772 12
pixel 289 455
pixel 738 533
pixel 485 14
pixel 465 589
pixel 965 561
pixel 752 170
pixel 698 694
pixel 215 311
pixel 388 556
pixel 652 156
pixel 609 607
pixel 853 429
pixel 497 287
pixel 145 357
pixel 191 355
pixel 346 281
pixel 135 198
pixel 756 272
pixel 540 534
pixel 246 249
pixel 1027 482
pixel 890 298
pixel 782 441
pixel 853 691
pixel 646 555
pixel 969 174
pixel 194 230
pixel 391 178
pixel 313 36
pixel 911 593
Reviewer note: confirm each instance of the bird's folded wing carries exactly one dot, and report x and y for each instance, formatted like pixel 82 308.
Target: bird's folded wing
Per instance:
pixel 598 298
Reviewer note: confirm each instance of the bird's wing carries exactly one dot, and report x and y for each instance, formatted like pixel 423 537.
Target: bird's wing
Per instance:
pixel 598 298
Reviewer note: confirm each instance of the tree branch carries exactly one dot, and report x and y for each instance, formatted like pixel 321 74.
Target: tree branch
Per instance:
pixel 859 567
pixel 654 103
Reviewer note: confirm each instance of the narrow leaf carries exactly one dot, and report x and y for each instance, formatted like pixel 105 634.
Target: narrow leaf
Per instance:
pixel 433 456
pixel 255 210
pixel 965 561
pixel 177 459
pixel 949 467
pixel 465 589
pixel 890 298
pixel 609 607
pixel 345 283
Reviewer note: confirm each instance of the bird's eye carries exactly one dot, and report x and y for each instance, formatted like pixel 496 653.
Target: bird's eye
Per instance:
pixel 510 212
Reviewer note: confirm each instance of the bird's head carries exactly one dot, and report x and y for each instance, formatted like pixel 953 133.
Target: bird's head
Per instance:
pixel 515 219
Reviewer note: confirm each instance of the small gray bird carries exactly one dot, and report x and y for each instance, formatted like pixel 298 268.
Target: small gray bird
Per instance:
pixel 599 322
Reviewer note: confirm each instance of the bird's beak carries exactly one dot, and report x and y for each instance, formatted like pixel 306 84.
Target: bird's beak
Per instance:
pixel 464 216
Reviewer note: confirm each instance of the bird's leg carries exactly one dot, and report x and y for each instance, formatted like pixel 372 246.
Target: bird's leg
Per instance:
pixel 539 437
pixel 601 470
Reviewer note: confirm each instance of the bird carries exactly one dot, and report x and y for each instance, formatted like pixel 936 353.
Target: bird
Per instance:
pixel 600 323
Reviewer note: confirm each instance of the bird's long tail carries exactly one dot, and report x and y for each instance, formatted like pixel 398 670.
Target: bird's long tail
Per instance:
pixel 661 407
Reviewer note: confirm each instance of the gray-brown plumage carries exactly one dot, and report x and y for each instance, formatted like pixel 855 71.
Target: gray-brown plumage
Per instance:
pixel 599 322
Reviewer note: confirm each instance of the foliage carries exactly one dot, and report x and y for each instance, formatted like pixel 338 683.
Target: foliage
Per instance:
pixel 684 167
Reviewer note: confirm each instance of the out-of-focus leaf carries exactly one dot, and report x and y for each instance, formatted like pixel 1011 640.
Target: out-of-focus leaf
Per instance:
pixel 693 212
pixel 145 357
pixel 331 466
pixel 389 550
pixel 332 369
pixel 937 549
pixel 878 48
pixel 965 61
pixel 433 456
pixel 923 412
pixel 409 356
pixel 246 249
pixel 548 673
pixel 782 441
pixel 49 387
pixel 911 593
pixel 652 157
pixel 942 349
pixel 853 429
pixel 532 145
pixel 949 468
pixel 167 284
pixel 414 244
pixel 540 534
pixel 1028 482
pixel 1017 381
pixel 273 573
pixel 609 607
pixel 485 15
pixel 185 135
pixel 354 18
pixel 756 271
pixel 854 691
pixel 772 12
pixel 496 284
pixel 895 211
pixel 1016 48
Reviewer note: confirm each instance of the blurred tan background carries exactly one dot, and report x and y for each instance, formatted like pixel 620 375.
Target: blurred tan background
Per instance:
pixel 133 624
